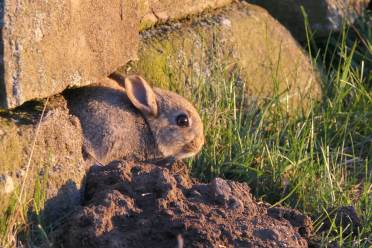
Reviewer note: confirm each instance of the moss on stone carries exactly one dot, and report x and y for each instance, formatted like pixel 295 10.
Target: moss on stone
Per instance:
pixel 58 149
pixel 155 12
pixel 242 39
pixel 11 146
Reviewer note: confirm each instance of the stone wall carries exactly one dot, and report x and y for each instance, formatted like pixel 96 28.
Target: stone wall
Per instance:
pixel 48 46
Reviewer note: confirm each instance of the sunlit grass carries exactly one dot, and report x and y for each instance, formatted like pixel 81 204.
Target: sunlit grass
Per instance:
pixel 22 224
pixel 312 162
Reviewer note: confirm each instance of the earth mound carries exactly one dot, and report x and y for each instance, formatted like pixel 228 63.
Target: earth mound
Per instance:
pixel 130 204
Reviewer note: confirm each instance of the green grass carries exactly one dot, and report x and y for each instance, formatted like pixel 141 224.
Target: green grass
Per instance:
pixel 22 225
pixel 313 162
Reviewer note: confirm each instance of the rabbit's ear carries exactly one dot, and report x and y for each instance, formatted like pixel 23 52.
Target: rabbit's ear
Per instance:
pixel 141 95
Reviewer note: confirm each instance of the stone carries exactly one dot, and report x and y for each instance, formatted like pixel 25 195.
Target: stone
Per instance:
pixel 48 46
pixel 31 150
pixel 220 190
pixel 155 11
pixel 324 16
pixel 6 184
pixel 343 217
pixel 241 38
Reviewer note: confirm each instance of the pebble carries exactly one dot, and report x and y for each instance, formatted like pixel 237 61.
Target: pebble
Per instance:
pixel 6 184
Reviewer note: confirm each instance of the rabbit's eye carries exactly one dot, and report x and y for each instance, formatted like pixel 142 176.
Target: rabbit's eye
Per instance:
pixel 182 120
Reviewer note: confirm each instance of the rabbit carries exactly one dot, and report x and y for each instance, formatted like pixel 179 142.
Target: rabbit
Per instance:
pixel 127 118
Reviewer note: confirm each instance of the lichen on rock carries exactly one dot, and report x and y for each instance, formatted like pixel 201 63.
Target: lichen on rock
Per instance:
pixel 32 144
pixel 242 39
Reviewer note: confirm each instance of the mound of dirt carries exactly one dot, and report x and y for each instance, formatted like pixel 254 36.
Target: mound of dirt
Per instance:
pixel 131 204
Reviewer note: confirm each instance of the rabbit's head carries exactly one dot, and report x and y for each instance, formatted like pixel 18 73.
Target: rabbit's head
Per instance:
pixel 174 122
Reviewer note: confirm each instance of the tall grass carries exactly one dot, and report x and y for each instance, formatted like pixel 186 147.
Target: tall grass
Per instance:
pixel 22 222
pixel 312 162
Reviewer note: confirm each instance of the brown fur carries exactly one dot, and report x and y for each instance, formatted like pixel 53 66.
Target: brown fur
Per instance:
pixel 114 128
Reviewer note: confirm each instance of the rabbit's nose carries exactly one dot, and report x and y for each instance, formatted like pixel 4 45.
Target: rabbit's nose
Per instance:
pixel 194 145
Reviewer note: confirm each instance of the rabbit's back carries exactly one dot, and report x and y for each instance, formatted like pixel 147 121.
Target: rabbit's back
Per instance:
pixel 112 127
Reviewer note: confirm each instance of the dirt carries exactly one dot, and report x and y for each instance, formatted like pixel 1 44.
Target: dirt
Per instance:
pixel 128 204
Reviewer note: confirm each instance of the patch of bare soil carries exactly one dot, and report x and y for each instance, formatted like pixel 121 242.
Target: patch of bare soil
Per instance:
pixel 131 204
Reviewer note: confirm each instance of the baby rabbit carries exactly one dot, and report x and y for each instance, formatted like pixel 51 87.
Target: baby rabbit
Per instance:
pixel 136 122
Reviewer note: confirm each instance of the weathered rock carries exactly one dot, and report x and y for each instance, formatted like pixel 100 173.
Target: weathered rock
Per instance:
pixel 324 16
pixel 130 204
pixel 344 217
pixel 55 157
pixel 50 45
pixel 241 38
pixel 155 11
pixel 6 184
